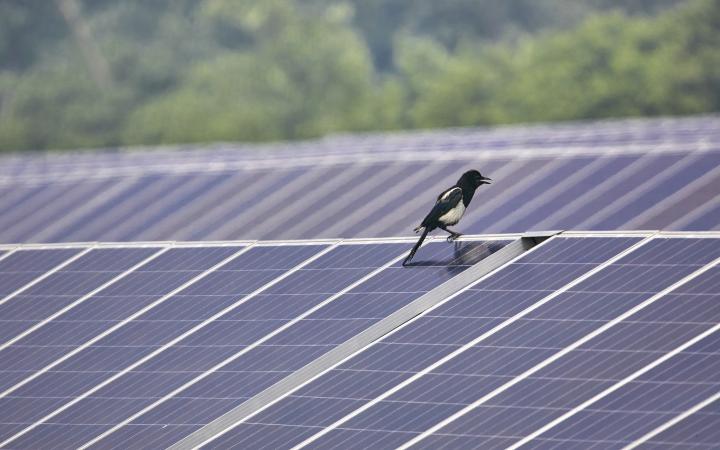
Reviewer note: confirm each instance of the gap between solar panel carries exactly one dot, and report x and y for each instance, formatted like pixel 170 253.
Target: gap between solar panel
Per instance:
pixel 343 351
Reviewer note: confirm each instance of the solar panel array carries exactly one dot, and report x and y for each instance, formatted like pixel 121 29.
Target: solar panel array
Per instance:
pixel 633 174
pixel 585 340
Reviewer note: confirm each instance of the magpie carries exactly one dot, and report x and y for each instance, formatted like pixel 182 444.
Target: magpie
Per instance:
pixel 449 208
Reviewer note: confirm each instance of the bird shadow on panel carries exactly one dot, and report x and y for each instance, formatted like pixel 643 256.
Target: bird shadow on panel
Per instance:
pixel 464 254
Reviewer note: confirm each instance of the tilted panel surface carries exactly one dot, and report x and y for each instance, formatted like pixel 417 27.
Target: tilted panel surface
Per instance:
pixel 42 370
pixel 299 319
pixel 23 266
pixel 424 341
pixel 590 341
pixel 702 428
pixel 65 287
pixel 655 174
pixel 637 406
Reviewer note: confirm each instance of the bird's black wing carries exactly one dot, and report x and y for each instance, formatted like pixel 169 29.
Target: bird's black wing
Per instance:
pixel 445 202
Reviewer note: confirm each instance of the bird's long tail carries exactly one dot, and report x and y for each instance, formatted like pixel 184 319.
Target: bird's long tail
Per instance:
pixel 417 245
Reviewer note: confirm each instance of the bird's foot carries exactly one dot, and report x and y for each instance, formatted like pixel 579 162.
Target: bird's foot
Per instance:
pixel 453 236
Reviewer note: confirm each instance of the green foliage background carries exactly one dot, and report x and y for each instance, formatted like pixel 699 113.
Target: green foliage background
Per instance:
pixel 161 72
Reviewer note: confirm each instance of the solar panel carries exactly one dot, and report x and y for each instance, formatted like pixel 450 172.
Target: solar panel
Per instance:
pixel 64 289
pixel 584 340
pixel 390 362
pixel 678 333
pixel 246 317
pixel 625 339
pixel 19 268
pixel 45 367
pixel 652 174
pixel 494 384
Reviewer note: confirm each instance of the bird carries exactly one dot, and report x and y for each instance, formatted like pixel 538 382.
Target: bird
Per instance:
pixel 449 208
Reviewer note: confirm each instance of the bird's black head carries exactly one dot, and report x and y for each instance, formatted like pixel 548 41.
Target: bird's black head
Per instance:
pixel 473 178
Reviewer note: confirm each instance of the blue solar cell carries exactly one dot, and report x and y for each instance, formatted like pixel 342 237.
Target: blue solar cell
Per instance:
pixel 665 391
pixel 289 350
pixel 274 257
pixel 36 261
pixel 708 282
pixel 533 210
pixel 578 250
pixel 202 195
pixel 40 217
pixel 207 346
pixel 675 252
pixel 84 275
pixel 615 190
pixel 456 442
pixel 582 373
pixel 83 225
pixel 189 258
pixel 23 266
pixel 566 168
pixel 22 194
pixel 394 359
pixel 669 186
pixel 233 211
pixel 273 228
pixel 707 221
pixel 139 289
pixel 699 430
pixel 40 200
pixel 161 210
pixel 632 411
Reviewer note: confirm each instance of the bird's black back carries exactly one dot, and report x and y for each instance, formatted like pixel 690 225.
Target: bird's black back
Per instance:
pixel 446 201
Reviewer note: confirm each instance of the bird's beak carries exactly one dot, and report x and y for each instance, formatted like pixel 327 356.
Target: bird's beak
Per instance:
pixel 485 180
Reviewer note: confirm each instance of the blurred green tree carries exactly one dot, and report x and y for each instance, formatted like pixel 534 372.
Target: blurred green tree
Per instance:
pixel 208 70
pixel 298 76
pixel 610 66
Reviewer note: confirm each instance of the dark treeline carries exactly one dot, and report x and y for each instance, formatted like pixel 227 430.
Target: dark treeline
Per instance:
pixel 100 73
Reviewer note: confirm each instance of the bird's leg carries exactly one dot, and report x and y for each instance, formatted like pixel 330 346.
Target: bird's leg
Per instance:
pixel 453 234
pixel 416 246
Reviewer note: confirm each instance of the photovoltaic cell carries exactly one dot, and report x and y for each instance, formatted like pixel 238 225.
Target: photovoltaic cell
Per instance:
pixel 171 204
pixel 615 186
pixel 663 392
pixel 414 347
pixel 582 176
pixel 667 187
pixel 23 266
pixel 39 217
pixel 141 337
pixel 132 366
pixel 64 287
pixel 565 193
pixel 563 169
pixel 576 376
pixel 699 430
pixel 59 361
pixel 277 356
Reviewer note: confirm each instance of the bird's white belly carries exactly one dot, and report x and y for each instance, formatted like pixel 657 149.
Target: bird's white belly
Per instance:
pixel 454 215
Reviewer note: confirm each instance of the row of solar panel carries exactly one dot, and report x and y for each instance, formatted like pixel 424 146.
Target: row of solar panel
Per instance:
pixel 584 343
pixel 689 130
pixel 106 332
pixel 653 190
pixel 140 346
